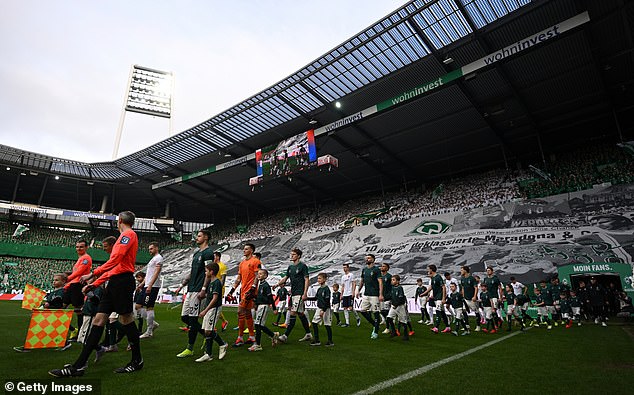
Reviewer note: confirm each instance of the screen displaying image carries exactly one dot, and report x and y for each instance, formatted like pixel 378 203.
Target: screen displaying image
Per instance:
pixel 289 156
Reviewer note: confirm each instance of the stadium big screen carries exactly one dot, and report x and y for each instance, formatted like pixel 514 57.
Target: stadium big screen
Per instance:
pixel 287 157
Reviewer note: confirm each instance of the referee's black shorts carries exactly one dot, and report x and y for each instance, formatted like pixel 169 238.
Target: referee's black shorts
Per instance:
pixel 74 296
pixel 118 295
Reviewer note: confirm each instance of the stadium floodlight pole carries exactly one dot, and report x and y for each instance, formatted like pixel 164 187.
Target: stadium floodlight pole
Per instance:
pixel 149 92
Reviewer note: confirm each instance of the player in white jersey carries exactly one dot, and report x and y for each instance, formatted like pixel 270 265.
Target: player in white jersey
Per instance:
pixel 348 285
pixel 151 288
pixel 518 287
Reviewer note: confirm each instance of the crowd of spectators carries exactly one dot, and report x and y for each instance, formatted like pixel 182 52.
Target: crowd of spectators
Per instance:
pixel 16 272
pixel 580 170
pixel 573 171
pixel 490 188
pixel 49 235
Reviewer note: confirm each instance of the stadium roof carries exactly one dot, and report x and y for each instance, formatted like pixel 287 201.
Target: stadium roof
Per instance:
pixel 571 90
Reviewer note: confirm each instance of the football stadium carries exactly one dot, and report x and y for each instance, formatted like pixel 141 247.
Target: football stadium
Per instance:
pixel 448 193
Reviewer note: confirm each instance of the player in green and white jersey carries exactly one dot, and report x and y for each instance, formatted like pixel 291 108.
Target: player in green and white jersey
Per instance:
pixel 386 277
pixel 542 310
pixel 438 298
pixel 373 293
pixel 469 290
pixel 456 300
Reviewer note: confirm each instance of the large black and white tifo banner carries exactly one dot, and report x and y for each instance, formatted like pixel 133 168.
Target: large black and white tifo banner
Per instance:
pixel 527 239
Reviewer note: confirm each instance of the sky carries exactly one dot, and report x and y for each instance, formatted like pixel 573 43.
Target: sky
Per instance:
pixel 64 65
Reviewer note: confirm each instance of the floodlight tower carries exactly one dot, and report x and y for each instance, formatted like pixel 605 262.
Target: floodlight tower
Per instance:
pixel 149 92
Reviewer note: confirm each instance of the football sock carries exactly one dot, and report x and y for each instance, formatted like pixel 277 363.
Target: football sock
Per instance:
pixel 346 316
pixel 249 320
pixel 329 332
pixel 91 343
pixel 241 323
pixel 258 334
pixel 304 321
pixel 390 325
pixel 337 317
pixel 194 326
pixel 290 326
pixel 376 322
pixel 209 343
pixel 132 333
pixel 368 317
pixel 316 332
pixel 150 321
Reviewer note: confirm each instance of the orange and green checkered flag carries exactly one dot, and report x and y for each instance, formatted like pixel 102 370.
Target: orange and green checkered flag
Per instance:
pixel 33 297
pixel 48 328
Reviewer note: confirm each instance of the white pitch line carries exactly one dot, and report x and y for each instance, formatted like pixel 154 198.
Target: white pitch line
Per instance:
pixel 424 369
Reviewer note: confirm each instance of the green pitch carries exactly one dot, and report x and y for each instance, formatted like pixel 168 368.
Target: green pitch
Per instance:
pixel 581 360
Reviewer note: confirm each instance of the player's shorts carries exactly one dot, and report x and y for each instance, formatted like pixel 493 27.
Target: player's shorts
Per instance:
pixel 297 304
pixel 282 305
pixel 149 300
pixel 551 309
pixel 327 318
pixel 524 306
pixel 113 316
pixel 211 318
pixel 542 310
pixel 488 312
pixel 494 303
pixel 370 303
pixel 117 296
pixel 566 315
pixel 191 305
pixel 335 308
pixel 511 310
pixel 84 331
pixel 347 301
pixel 422 302
pixel 261 313
pixel 435 304
pixel 449 310
pixel 73 295
pixel 576 310
pixel 398 312
pixel 246 304
pixel 385 305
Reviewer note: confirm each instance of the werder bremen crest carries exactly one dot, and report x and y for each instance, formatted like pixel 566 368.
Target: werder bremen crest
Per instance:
pixel 431 227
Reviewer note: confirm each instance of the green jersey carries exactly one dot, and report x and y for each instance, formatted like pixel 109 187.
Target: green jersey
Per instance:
pixel 468 285
pixel 547 294
pixel 336 297
pixel 215 287
pixel 265 295
pixel 282 294
pixel 397 296
pixel 323 297
pixel 91 304
pixel 539 300
pixel 197 276
pixel 564 306
pixel 55 298
pixel 456 300
pixel 521 299
pixel 574 301
pixel 510 297
pixel 485 299
pixel 387 286
pixel 420 291
pixel 297 273
pixel 370 277
pixel 493 285
pixel 437 283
